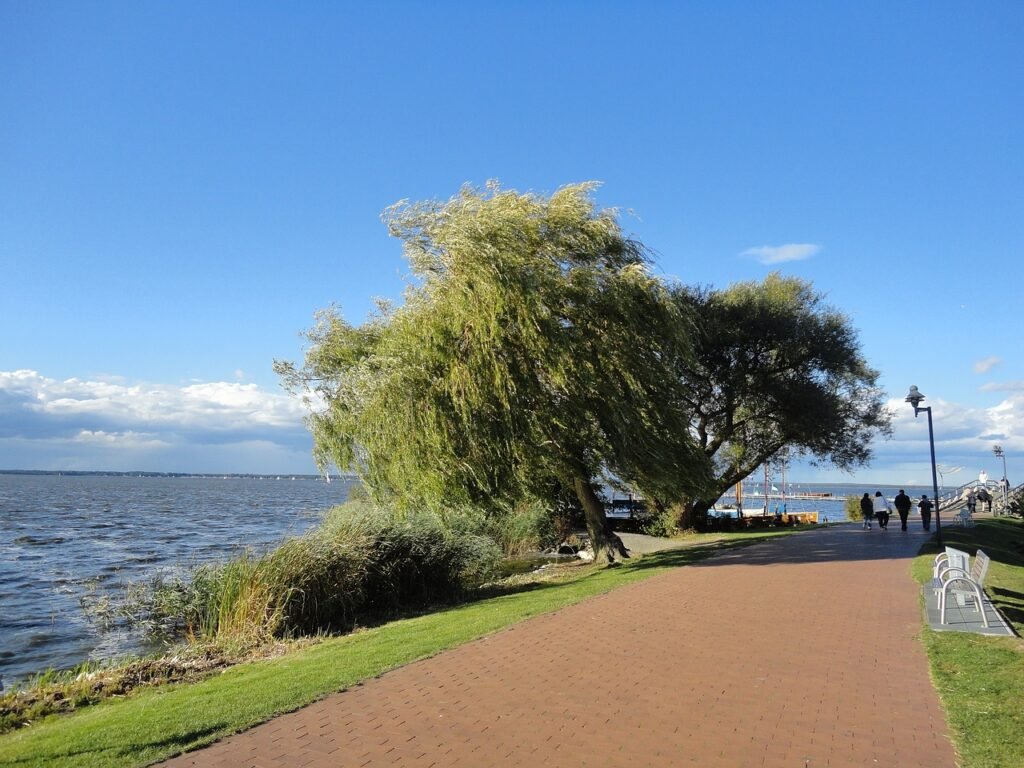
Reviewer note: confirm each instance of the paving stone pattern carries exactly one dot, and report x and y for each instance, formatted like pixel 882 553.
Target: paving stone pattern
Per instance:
pixel 802 652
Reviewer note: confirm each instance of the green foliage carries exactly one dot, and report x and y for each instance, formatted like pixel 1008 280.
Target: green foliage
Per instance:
pixel 532 350
pixel 528 527
pixel 362 562
pixel 852 508
pixel 519 529
pixel 1015 503
pixel 663 522
pixel 774 369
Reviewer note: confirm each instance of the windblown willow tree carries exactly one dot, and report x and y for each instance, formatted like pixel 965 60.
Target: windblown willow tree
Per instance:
pixel 533 349
pixel 775 368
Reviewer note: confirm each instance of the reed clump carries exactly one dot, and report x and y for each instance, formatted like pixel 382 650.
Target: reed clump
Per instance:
pixel 363 563
pixel 517 529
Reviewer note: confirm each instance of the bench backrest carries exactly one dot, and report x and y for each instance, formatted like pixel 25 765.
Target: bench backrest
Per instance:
pixel 980 567
pixel 956 558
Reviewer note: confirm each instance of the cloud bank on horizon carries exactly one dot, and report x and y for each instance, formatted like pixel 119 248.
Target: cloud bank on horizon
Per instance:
pixel 219 426
pixel 964 437
pixel 108 424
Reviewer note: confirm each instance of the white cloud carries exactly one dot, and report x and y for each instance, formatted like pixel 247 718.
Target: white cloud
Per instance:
pixel 1006 386
pixel 986 364
pixel 100 423
pixel 206 407
pixel 133 440
pixel 964 436
pixel 777 254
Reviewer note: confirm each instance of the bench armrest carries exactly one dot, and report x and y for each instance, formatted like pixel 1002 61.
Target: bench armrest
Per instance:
pixel 951 572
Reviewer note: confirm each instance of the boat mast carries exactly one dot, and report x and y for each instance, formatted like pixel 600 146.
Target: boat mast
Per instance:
pixel 783 483
pixel 766 487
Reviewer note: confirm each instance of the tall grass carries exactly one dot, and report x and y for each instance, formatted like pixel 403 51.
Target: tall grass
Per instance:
pixel 362 563
pixel 519 529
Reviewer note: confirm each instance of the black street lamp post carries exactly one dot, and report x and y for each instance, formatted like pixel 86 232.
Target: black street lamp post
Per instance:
pixel 998 451
pixel 915 398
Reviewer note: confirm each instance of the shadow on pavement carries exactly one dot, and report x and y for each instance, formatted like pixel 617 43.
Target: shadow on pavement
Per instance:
pixel 845 543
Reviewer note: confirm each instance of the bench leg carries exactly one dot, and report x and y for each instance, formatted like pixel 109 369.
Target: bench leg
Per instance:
pixel 977 596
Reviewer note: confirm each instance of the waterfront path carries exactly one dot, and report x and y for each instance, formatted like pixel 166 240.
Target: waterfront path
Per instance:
pixel 799 652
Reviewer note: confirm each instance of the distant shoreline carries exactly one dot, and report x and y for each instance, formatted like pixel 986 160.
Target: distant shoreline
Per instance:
pixel 298 476
pixel 273 475
pixel 215 475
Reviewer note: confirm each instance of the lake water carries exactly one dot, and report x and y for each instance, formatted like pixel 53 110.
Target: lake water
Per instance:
pixel 63 537
pixel 833 508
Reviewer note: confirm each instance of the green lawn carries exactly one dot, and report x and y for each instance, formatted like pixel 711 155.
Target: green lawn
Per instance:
pixel 160 722
pixel 981 679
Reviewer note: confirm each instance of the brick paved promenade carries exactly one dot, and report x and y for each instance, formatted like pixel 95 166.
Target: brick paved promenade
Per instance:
pixel 801 653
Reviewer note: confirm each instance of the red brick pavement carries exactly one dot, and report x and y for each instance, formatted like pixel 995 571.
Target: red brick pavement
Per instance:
pixel 800 653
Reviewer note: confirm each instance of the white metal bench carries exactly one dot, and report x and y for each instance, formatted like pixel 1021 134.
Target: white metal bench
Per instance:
pixel 964 518
pixel 951 558
pixel 965 584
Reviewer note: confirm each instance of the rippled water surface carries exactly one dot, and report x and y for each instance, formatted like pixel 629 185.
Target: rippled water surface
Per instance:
pixel 63 537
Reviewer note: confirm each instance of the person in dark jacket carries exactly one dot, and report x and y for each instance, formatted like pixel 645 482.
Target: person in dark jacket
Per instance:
pixel 867 510
pixel 925 508
pixel 902 503
pixel 986 499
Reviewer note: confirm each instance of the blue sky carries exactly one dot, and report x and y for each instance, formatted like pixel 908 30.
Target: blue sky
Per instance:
pixel 183 184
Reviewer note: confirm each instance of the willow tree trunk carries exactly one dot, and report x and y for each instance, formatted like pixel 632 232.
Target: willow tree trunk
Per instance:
pixel 692 514
pixel 608 547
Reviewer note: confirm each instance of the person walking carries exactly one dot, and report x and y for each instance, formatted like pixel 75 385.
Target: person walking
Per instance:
pixel 867 510
pixel 882 510
pixel 925 508
pixel 986 499
pixel 972 500
pixel 902 503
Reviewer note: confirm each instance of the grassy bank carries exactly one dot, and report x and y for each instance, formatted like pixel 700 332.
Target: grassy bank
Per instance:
pixel 362 565
pixel 981 679
pixel 155 723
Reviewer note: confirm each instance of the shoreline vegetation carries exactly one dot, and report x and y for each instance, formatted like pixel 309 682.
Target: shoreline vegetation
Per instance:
pixel 192 698
pixel 149 709
pixel 361 565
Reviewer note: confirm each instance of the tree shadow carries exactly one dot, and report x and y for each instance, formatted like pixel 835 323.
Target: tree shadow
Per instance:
pixel 838 543
pixel 1010 603
pixel 180 742
pixel 690 554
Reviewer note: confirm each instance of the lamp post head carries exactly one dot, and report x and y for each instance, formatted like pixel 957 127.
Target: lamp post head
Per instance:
pixel 914 397
pixel 997 450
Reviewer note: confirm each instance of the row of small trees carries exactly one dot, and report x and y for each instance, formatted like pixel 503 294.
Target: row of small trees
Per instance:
pixel 535 356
